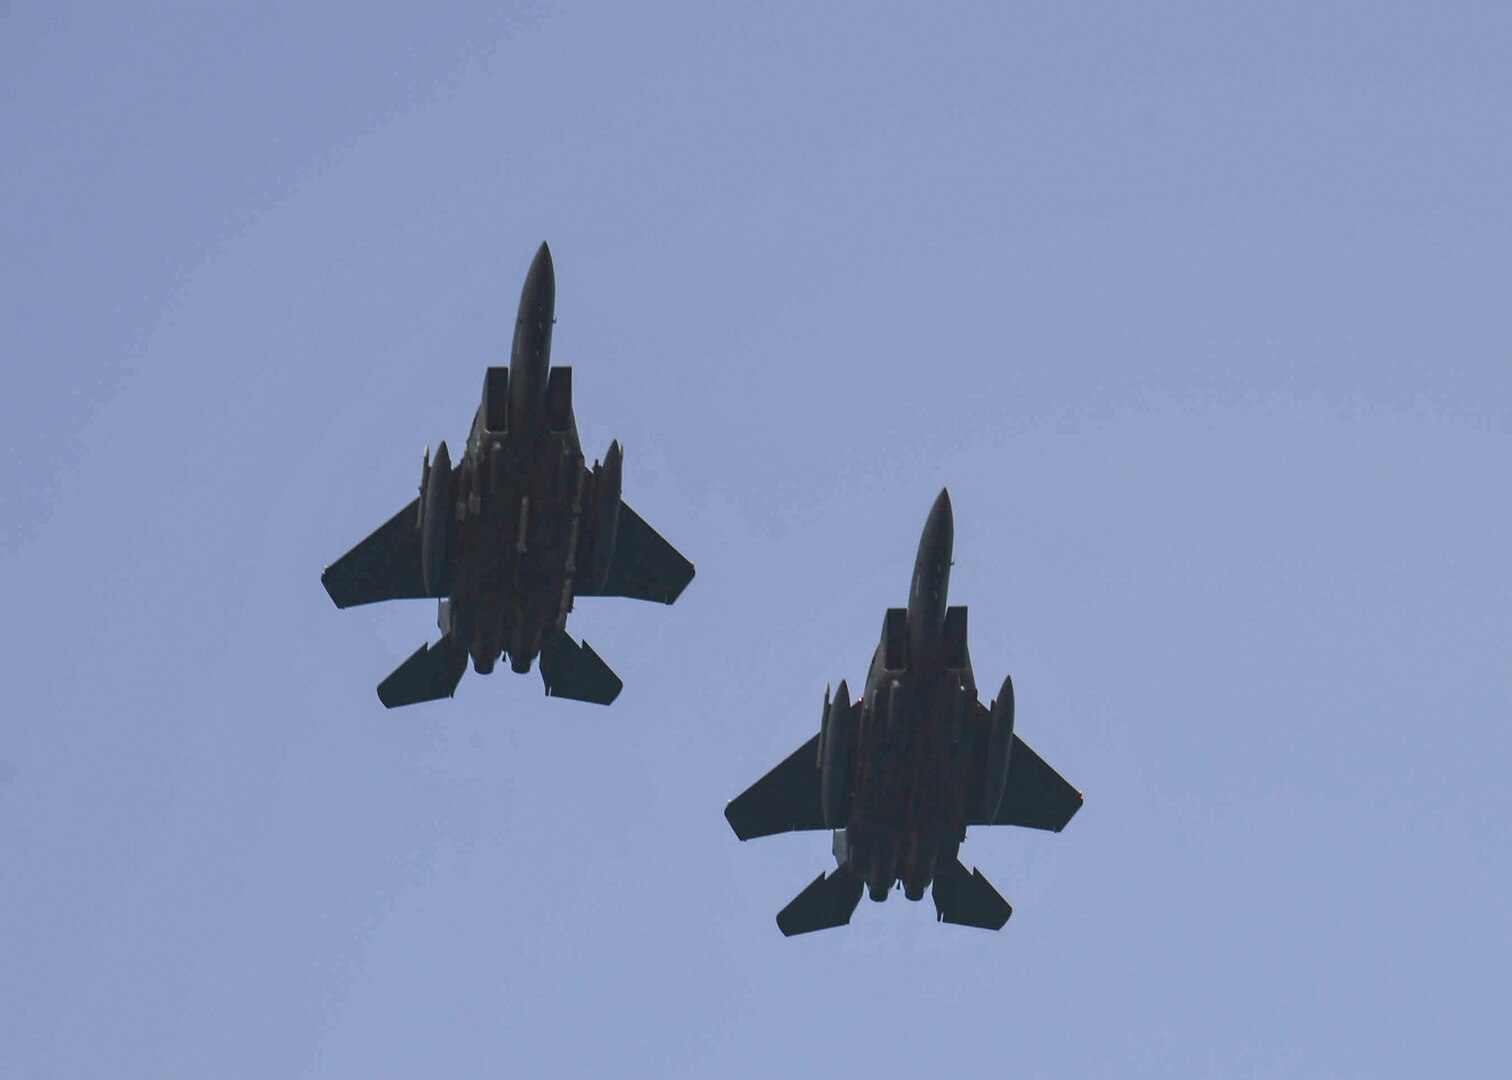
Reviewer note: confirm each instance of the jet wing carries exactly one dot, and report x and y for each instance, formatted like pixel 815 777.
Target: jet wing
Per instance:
pixel 644 567
pixel 784 800
pixel 1036 797
pixel 385 566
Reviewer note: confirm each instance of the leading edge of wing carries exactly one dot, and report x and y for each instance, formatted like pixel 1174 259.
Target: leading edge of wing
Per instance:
pixel 385 566
pixel 1037 797
pixel 784 800
pixel 644 565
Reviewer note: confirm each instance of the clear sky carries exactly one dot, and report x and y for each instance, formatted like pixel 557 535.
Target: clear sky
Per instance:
pixel 1200 310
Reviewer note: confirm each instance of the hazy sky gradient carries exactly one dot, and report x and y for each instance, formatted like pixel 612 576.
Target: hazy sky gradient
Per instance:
pixel 1201 313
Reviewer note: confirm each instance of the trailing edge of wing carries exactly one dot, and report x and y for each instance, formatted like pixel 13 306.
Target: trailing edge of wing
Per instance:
pixel 385 566
pixel 784 800
pixel 644 566
pixel 1036 796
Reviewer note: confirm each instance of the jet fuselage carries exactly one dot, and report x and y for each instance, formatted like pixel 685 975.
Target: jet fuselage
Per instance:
pixel 897 775
pixel 519 494
pixel 511 536
pixel 910 781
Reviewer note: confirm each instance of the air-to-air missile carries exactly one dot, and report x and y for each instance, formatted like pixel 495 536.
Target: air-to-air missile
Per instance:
pixel 514 533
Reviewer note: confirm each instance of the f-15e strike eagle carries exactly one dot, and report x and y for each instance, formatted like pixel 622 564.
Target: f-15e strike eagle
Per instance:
pixel 900 773
pixel 513 534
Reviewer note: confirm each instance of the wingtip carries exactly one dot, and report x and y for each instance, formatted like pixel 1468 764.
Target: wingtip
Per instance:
pixel 734 825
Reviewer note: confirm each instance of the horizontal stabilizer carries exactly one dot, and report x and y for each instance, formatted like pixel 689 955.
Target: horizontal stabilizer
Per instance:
pixel 829 901
pixel 575 671
pixel 968 899
pixel 784 800
pixel 432 672
pixel 385 566
pixel 644 566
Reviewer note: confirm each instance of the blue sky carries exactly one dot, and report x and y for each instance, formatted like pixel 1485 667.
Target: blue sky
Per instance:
pixel 1200 312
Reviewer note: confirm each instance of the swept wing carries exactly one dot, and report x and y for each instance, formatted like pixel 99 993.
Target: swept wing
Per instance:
pixel 784 800
pixel 644 566
pixel 385 566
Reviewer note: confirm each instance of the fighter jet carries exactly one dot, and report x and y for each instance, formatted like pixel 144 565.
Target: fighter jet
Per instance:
pixel 513 534
pixel 900 773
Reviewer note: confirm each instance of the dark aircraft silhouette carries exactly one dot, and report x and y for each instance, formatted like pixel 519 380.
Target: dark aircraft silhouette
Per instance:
pixel 900 773
pixel 512 535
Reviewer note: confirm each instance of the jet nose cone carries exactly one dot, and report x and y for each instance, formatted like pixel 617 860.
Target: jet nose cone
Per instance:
pixel 540 282
pixel 939 530
pixel 940 513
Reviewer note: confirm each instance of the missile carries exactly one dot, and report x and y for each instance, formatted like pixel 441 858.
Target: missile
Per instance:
pixel 999 747
pixel 839 748
pixel 424 483
pixel 436 521
pixel 606 503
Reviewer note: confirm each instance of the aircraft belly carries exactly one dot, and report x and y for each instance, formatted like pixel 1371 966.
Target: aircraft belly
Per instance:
pixel 910 800
pixel 506 539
